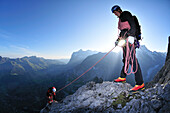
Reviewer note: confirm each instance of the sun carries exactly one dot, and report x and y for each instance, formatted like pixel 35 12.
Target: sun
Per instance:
pixel 117 49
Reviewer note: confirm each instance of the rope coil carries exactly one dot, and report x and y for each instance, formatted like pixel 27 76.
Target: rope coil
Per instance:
pixel 129 57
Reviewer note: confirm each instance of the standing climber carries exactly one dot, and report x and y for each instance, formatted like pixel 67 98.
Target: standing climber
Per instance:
pixel 128 28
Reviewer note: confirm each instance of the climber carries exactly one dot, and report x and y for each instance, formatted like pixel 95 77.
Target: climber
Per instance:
pixel 51 96
pixel 128 29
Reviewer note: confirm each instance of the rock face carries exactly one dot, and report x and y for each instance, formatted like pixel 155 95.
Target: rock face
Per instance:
pixel 163 76
pixel 168 53
pixel 114 97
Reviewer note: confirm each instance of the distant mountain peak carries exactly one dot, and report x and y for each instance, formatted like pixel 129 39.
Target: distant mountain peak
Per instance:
pixel 143 47
pixel 33 57
pixel 80 50
pixel 78 56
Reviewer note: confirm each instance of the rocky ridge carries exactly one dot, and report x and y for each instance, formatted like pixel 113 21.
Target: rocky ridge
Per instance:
pixel 163 76
pixel 114 97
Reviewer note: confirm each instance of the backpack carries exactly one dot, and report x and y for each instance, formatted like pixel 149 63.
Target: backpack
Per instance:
pixel 138 28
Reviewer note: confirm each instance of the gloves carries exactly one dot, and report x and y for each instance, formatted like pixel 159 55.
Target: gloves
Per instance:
pixel 131 39
pixel 137 44
pixel 139 37
pixel 117 41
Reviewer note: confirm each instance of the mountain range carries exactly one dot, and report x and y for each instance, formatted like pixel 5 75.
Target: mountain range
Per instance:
pixel 109 68
pixel 26 80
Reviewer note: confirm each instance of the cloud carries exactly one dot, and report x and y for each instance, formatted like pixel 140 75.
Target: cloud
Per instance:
pixel 20 51
pixel 4 34
pixel 23 50
pixel 55 57
pixel 15 51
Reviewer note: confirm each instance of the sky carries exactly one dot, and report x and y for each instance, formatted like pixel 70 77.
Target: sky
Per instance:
pixel 54 29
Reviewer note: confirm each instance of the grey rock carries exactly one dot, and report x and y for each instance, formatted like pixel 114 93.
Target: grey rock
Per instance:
pixel 143 97
pixel 144 108
pixel 150 92
pixel 166 95
pixel 111 97
pixel 160 90
pixel 165 108
pixel 154 96
pixel 95 97
pixel 130 97
pixel 142 93
pixel 132 111
pixel 119 106
pixel 109 110
pixel 156 104
pixel 137 104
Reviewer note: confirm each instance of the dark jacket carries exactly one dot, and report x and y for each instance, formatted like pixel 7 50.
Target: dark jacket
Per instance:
pixel 126 17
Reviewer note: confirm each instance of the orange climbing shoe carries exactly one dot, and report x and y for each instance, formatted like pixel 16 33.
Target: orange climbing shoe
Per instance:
pixel 123 80
pixel 137 88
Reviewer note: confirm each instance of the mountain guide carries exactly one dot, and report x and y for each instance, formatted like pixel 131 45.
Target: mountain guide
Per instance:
pixel 51 96
pixel 131 34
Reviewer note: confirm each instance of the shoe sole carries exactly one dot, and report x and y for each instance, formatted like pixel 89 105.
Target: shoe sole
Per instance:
pixel 121 82
pixel 138 90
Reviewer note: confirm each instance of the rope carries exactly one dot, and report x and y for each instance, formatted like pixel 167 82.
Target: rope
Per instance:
pixel 77 77
pixel 129 58
pixel 85 71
